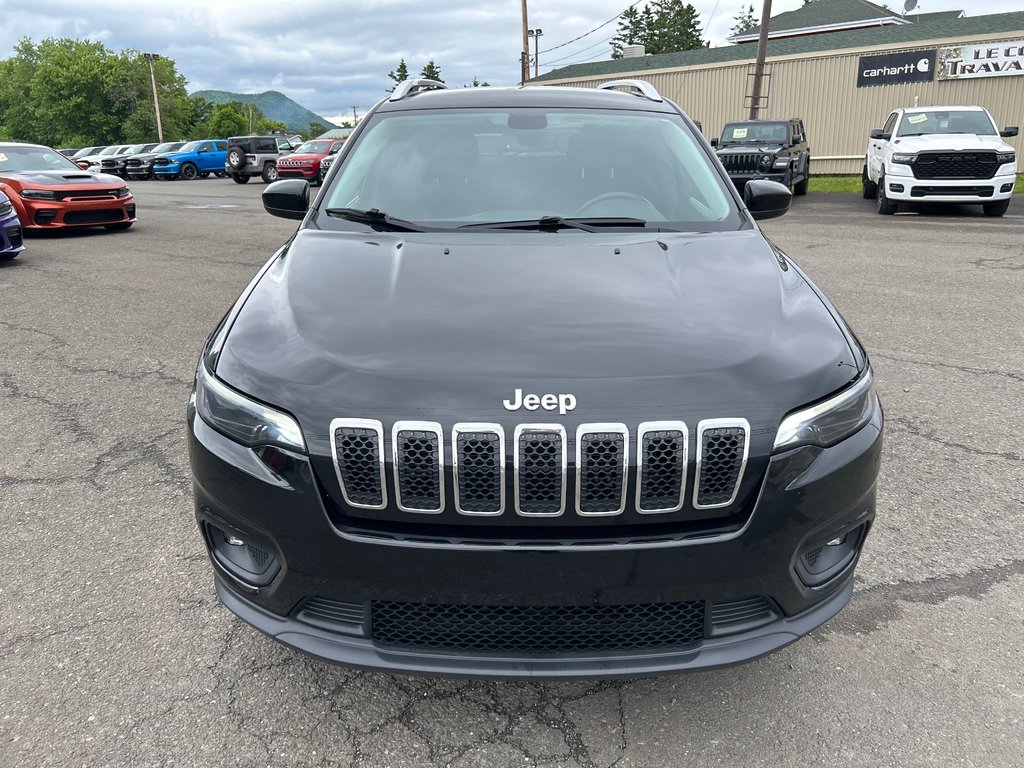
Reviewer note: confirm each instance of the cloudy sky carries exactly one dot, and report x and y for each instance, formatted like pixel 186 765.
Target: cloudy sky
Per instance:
pixel 332 55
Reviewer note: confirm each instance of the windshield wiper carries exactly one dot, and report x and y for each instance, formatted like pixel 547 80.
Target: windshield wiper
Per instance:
pixel 375 217
pixel 559 222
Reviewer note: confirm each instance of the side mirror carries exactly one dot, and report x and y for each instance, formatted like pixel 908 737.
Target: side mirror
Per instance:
pixel 878 133
pixel 1009 131
pixel 288 199
pixel 83 165
pixel 766 199
pixel 714 142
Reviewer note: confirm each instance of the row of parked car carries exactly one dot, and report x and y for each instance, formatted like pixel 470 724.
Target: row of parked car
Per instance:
pixel 241 157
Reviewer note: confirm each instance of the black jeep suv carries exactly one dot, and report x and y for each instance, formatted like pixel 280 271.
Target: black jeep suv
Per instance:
pixel 250 156
pixel 529 394
pixel 766 149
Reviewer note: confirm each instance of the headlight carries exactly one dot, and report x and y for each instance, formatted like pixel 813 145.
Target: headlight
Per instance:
pixel 38 194
pixel 904 159
pixel 782 162
pixel 244 420
pixel 829 422
pixel 766 160
pixel 5 208
pixel 1005 157
pixel 124 192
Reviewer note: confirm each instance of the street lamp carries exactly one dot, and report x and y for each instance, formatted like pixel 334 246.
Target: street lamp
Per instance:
pixel 150 58
pixel 536 35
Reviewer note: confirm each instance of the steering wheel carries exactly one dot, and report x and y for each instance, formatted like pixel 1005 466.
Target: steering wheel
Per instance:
pixel 605 197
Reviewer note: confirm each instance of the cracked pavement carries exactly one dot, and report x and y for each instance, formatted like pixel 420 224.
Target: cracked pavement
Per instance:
pixel 116 652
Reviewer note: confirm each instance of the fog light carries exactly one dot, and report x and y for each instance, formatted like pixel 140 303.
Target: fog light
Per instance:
pixel 895 187
pixel 1006 188
pixel 822 562
pixel 249 563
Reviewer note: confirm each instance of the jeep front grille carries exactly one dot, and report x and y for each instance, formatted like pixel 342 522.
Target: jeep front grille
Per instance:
pixel 742 163
pixel 722 446
pixel 955 165
pixel 606 470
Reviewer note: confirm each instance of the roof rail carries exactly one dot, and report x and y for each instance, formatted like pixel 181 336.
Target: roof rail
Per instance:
pixel 408 88
pixel 639 87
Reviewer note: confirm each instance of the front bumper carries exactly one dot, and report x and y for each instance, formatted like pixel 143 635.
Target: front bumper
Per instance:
pixel 907 188
pixel 297 172
pixel 807 497
pixel 47 214
pixel 167 170
pixel 11 240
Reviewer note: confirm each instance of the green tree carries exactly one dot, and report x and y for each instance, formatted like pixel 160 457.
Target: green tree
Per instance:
pixel 744 20
pixel 266 125
pixel 477 84
pixel 398 74
pixel 631 32
pixel 226 121
pixel 663 26
pixel 431 71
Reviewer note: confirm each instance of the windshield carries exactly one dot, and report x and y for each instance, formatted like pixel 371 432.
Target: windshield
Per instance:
pixel 460 167
pixel 755 133
pixel 190 147
pixel 112 150
pixel 85 152
pixel 34 159
pixel 136 149
pixel 947 121
pixel 313 148
pixel 167 146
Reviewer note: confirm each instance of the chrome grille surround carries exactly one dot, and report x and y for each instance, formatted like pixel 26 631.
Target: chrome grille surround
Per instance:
pixel 711 424
pixel 401 466
pixel 366 424
pixel 651 427
pixel 521 437
pixel 589 467
pixel 460 471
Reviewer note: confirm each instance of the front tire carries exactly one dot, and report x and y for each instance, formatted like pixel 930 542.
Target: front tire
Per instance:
pixel 800 189
pixel 204 174
pixel 886 207
pixel 868 187
pixel 220 174
pixel 7 256
pixel 240 178
pixel 269 174
pixel 188 172
pixel 996 209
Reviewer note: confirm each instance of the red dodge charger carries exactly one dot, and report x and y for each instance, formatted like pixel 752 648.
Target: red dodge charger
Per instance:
pixel 49 191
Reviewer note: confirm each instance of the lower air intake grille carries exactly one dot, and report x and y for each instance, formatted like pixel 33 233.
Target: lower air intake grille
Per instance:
pixel 540 471
pixel 14 236
pixel 538 629
pixel 417 456
pixel 334 615
pixel 357 456
pixel 480 467
pixel 723 453
pixel 93 217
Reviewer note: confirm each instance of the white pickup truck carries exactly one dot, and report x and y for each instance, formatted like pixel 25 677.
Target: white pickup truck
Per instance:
pixel 940 155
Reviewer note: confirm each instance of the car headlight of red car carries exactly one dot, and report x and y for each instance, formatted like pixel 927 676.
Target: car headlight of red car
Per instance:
pixel 124 192
pixel 39 194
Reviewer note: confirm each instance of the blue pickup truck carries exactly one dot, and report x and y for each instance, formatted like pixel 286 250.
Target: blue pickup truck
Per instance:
pixel 197 158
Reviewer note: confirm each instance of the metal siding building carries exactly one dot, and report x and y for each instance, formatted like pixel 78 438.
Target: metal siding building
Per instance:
pixel 820 86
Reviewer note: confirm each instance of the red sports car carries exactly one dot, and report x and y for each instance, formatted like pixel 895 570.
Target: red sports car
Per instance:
pixel 304 162
pixel 49 191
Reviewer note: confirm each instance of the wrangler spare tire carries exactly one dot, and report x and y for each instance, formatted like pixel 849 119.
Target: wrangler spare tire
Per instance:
pixel 237 158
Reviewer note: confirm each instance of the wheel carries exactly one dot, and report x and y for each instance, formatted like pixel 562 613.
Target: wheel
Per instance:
pixel 868 188
pixel 119 227
pixel 220 174
pixel 269 172
pixel 204 174
pixel 7 256
pixel 240 178
pixel 188 172
pixel 611 196
pixel 801 186
pixel 886 207
pixel 996 209
pixel 237 158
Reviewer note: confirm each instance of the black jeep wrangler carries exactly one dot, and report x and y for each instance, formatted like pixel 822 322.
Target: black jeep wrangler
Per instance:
pixel 766 149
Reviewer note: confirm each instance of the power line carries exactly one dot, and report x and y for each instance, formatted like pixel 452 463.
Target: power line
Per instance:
pixel 581 50
pixel 613 18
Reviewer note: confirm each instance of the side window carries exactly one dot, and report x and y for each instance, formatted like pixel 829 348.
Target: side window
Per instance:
pixel 283 145
pixel 205 147
pixel 266 145
pixel 890 124
pixel 222 146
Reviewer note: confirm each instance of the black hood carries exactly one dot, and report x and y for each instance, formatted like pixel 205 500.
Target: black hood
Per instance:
pixel 637 327
pixel 58 178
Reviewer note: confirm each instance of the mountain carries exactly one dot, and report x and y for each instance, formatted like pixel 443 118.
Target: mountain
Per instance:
pixel 274 105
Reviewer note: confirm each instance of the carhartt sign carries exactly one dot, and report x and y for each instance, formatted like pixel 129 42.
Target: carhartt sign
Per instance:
pixel 985 60
pixel 893 68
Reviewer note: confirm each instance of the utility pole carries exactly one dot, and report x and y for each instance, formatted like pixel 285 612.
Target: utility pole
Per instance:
pixel 762 48
pixel 524 69
pixel 150 58
pixel 536 35
pixel 355 116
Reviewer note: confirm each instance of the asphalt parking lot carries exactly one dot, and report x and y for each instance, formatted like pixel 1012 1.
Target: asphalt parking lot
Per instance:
pixel 116 652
